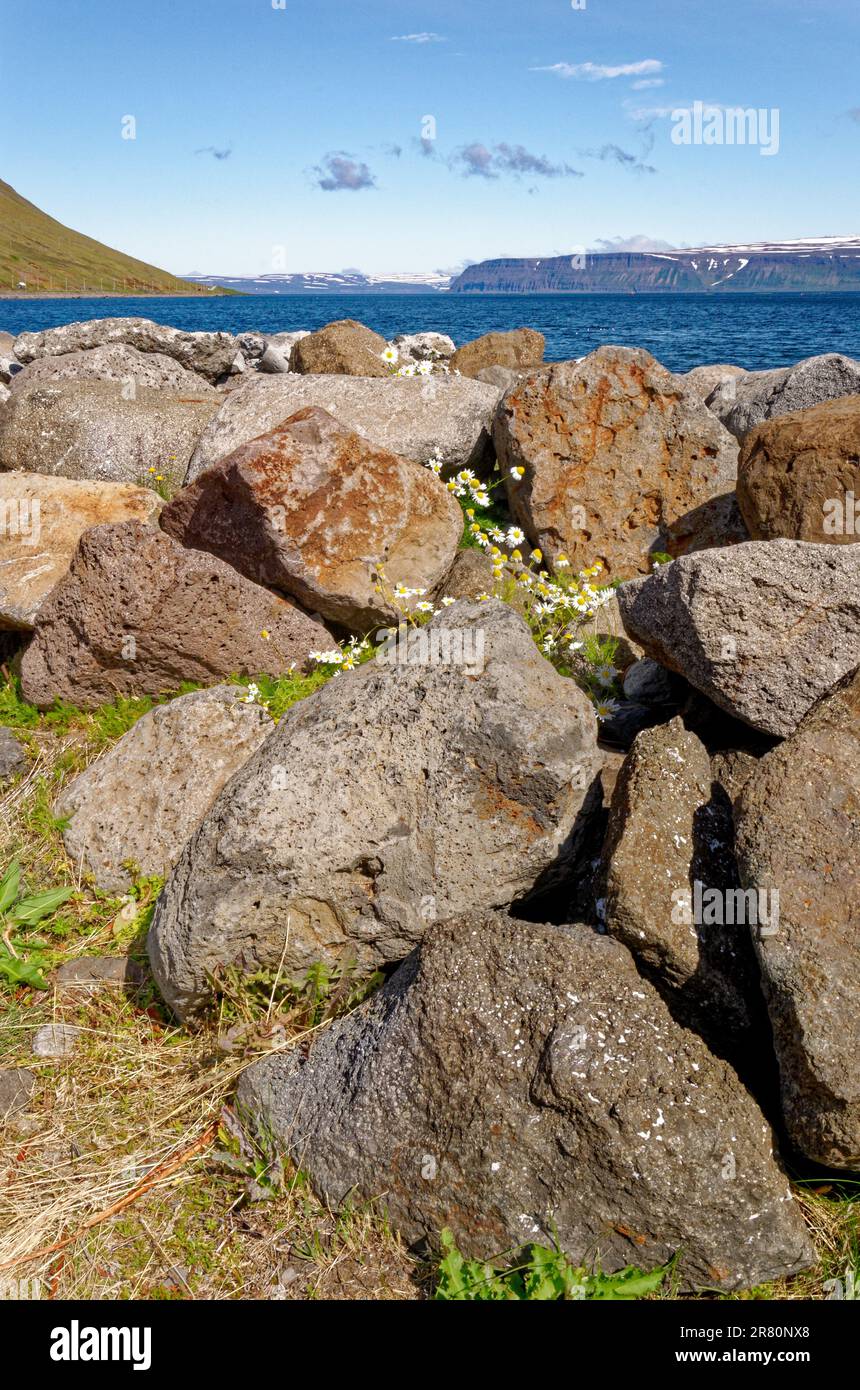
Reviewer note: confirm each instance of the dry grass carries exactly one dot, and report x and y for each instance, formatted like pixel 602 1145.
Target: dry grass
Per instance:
pixel 117 1121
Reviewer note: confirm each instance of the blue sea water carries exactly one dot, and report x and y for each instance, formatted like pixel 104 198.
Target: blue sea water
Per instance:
pixel 755 331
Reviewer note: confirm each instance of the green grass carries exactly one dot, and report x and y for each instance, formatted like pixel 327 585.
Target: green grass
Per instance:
pixel 40 251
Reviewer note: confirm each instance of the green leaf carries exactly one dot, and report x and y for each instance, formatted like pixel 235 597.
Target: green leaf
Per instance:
pixel 626 1284
pixel 22 972
pixel 31 910
pixel 9 885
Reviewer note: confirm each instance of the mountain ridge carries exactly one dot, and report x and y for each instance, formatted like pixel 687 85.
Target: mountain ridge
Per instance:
pixel 826 265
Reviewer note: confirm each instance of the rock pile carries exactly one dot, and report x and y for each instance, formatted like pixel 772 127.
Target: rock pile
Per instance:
pixel 587 928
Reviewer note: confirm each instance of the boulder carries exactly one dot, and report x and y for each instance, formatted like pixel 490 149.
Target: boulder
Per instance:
pixel 275 356
pixel 41 521
pixel 619 459
pixel 521 1083
pixel 651 683
pixel 670 830
pixel 799 475
pixel 17 1085
pixel 13 755
pixel 91 429
pixel 136 614
pixel 502 377
pixel 317 511
pixel 9 368
pixel 143 799
pixel 5 394
pixel 450 774
pixel 798 835
pixel 425 347
pixel 417 418
pixel 344 348
pixel 744 402
pixel 114 362
pixel 762 629
pixel 212 355
pixel 522 347
pixel 91 974
pixel 705 380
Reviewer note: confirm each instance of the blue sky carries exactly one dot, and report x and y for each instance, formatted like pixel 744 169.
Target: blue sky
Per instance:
pixel 260 128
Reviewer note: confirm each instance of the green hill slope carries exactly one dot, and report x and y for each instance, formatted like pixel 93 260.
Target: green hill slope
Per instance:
pixel 45 255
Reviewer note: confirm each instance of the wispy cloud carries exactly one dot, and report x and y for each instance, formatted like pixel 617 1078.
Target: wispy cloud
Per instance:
pixel 340 172
pixel 418 38
pixel 647 82
pixel 634 163
pixel 631 243
pixel 477 161
pixel 216 154
pixel 601 72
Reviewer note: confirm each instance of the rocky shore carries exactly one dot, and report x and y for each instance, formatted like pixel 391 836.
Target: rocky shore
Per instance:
pixel 576 770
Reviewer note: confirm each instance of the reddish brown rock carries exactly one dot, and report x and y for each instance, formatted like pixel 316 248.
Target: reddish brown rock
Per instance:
pixel 138 615
pixel 316 510
pixel 620 459
pixel 799 475
pixel 523 347
pixel 343 348
pixel 43 519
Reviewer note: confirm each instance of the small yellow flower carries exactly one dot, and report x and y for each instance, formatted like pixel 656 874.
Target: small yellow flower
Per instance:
pixel 150 470
pixel 516 555
pixel 159 477
pixel 537 556
pixel 265 634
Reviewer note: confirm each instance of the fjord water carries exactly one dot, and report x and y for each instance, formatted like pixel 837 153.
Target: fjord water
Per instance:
pixel 755 331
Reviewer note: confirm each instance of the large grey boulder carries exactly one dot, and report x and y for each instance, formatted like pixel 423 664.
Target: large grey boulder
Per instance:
pixel 522 1083
pixel 798 839
pixel 436 779
pixel 41 521
pixel 763 629
pixel 141 801
pixel 670 830
pixel 743 402
pixel 417 418
pixel 97 430
pixel 113 362
pixel 212 355
pixel 317 511
pixel 137 614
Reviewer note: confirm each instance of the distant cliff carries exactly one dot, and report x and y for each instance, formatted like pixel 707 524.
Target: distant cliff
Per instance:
pixel 831 265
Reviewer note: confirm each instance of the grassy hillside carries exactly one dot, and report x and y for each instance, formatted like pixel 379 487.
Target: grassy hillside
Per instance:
pixel 40 251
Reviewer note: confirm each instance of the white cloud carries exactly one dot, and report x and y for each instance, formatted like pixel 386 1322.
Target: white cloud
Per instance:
pixel 418 38
pixel 598 72
pixel 647 82
pixel 631 243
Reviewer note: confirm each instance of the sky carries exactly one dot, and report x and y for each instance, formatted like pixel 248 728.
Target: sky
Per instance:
pixel 301 135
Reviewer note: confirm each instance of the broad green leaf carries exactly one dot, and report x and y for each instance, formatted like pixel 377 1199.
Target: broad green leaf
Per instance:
pixel 9 885
pixel 31 910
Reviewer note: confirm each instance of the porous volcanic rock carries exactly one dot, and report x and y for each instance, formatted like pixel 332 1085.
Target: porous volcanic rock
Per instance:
pixel 421 784
pixel 317 511
pixel 517 1082
pixel 137 614
pixel 620 460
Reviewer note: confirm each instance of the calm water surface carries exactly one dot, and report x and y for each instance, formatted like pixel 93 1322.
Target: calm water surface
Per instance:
pixel 752 330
